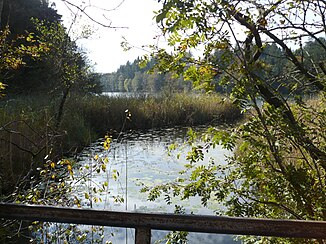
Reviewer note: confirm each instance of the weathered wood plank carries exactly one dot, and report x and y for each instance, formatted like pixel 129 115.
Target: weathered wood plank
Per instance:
pixel 143 236
pixel 191 223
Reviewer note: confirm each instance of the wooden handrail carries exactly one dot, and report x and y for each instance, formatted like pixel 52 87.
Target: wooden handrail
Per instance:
pixel 145 222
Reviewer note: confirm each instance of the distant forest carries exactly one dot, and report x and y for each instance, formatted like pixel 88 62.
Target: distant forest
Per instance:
pixel 132 78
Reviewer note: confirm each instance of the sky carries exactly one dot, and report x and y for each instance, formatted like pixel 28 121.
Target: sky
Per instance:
pixel 134 19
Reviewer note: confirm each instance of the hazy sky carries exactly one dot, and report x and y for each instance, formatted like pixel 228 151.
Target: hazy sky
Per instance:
pixel 104 46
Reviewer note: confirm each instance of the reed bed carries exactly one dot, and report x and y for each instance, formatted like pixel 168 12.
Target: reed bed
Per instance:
pixel 105 113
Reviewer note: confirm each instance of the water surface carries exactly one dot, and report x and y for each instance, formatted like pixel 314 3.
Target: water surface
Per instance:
pixel 142 158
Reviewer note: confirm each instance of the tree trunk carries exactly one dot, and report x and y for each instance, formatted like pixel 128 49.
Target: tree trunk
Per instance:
pixel 1 8
pixel 61 107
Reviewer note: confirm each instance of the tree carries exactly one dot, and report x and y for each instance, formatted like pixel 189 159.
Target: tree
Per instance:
pixel 17 14
pixel 143 78
pixel 136 82
pixel 154 83
pixel 279 165
pixel 17 17
pixel 127 85
pixel 18 36
pixel 312 53
pixel 13 54
pixel 66 67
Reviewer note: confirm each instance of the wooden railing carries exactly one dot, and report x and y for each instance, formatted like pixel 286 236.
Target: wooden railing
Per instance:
pixel 145 222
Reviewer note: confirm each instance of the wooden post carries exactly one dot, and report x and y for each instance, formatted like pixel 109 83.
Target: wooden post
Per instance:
pixel 143 236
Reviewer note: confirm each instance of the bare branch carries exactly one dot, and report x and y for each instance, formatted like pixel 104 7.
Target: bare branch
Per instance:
pixel 83 10
pixel 294 60
pixel 279 205
pixel 107 10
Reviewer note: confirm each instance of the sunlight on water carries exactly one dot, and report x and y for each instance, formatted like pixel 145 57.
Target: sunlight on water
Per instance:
pixel 145 158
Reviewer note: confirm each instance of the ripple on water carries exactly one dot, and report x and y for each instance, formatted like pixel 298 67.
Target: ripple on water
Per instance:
pixel 145 157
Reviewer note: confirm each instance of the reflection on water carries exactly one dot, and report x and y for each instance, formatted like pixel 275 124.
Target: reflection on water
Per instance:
pixel 142 158
pixel 127 94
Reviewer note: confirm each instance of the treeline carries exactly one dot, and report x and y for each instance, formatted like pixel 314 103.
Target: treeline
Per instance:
pixel 274 66
pixel 132 78
pixel 280 72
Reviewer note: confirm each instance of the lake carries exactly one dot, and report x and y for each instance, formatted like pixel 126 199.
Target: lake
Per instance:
pixel 142 158
pixel 127 94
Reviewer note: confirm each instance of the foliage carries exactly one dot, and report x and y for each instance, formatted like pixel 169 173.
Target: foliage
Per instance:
pixel 43 60
pixel 37 54
pixel 63 55
pixel 141 76
pixel 62 60
pixel 66 67
pixel 12 53
pixel 62 183
pixel 279 164
pixel 17 14
pixel 15 20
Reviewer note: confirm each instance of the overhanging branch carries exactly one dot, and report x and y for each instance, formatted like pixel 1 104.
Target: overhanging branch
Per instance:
pixel 83 11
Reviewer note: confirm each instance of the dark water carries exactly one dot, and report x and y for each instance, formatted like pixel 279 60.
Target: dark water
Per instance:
pixel 142 158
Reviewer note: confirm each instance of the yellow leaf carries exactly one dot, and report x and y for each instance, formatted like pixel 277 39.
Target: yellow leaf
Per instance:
pixel 69 169
pixel 103 167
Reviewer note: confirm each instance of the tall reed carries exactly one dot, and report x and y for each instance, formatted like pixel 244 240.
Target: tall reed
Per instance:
pixel 105 113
